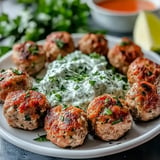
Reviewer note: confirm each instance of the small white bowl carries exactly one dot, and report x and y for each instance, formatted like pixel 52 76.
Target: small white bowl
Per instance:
pixel 116 21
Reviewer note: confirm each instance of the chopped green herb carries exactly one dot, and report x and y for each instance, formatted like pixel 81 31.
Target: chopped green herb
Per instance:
pixel 118 102
pixel 41 138
pixel 107 111
pixel 78 107
pixel 149 73
pixel 38 79
pixel 123 43
pixel 95 55
pixel 92 83
pixel 117 121
pixel 27 94
pixel 75 59
pixel 34 89
pixel 59 57
pixel 33 49
pixel 77 78
pixel 27 117
pixel 2 78
pixel 2 70
pixel 96 73
pixel 102 77
pixel 62 88
pixel 107 100
pixel 59 97
pixel 16 71
pixel 60 44
pixel 76 87
pixel 64 106
pixel 61 118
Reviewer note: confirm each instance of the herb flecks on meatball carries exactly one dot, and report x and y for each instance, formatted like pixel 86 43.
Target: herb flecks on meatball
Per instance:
pixel 58 44
pixel 143 101
pixel 66 127
pixel 12 80
pixel 29 57
pixel 122 54
pixel 143 69
pixel 25 109
pixel 109 118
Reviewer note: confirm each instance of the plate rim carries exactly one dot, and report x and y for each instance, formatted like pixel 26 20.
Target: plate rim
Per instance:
pixel 80 154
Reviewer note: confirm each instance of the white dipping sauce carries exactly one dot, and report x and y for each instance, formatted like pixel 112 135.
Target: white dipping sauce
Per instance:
pixel 78 78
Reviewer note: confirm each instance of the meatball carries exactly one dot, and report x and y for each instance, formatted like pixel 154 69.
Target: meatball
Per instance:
pixel 66 127
pixel 109 119
pixel 25 109
pixel 29 57
pixel 93 43
pixel 143 69
pixel 122 54
pixel 58 44
pixel 143 101
pixel 12 80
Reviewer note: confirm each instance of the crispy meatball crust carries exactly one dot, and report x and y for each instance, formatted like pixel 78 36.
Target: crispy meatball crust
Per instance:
pixel 66 127
pixel 143 69
pixel 29 57
pixel 122 54
pixel 109 119
pixel 90 43
pixel 143 101
pixel 12 80
pixel 58 43
pixel 25 109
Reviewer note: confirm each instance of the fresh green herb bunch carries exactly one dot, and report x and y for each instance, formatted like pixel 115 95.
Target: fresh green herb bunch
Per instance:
pixel 42 17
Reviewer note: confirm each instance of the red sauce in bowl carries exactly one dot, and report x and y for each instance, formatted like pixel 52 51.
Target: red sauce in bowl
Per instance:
pixel 126 5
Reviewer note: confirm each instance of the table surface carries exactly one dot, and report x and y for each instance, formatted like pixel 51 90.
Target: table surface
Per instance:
pixel 8 151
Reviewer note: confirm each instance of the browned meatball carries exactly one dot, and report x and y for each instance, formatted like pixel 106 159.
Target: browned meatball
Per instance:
pixel 93 43
pixel 29 57
pixel 25 109
pixel 143 101
pixel 109 119
pixel 122 54
pixel 143 69
pixel 12 80
pixel 66 127
pixel 58 43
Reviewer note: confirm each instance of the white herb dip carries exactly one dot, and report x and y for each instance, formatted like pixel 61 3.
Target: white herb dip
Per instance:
pixel 78 78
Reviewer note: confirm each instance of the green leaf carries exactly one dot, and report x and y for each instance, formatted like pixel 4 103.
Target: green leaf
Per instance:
pixel 42 17
pixel 123 43
pixel 27 117
pixel 95 55
pixel 41 138
pixel 59 97
pixel 60 44
pixel 4 50
pixel 16 71
pixel 92 83
pixel 117 121
pixel 107 111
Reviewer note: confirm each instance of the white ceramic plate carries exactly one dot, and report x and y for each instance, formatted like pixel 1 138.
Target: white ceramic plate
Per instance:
pixel 140 132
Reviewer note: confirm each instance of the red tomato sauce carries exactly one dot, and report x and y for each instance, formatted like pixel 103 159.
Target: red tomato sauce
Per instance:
pixel 126 5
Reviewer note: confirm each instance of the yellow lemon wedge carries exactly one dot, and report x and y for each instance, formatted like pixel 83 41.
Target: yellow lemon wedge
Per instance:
pixel 146 31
